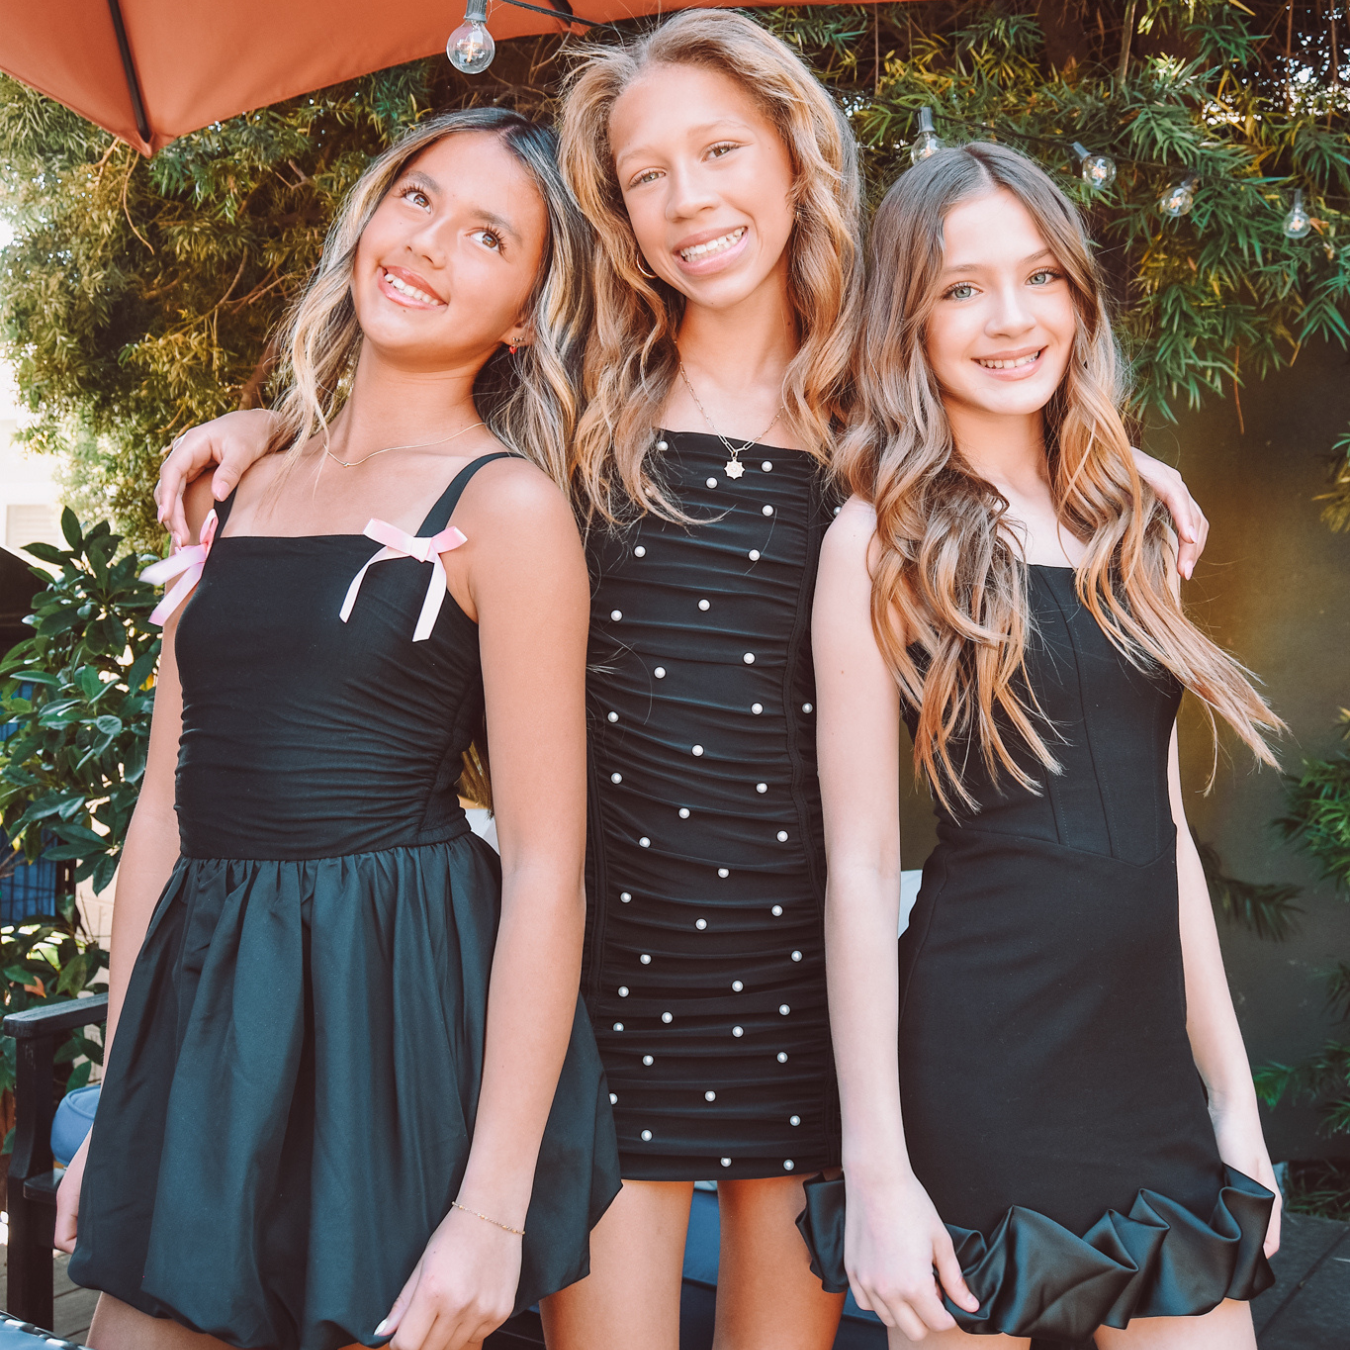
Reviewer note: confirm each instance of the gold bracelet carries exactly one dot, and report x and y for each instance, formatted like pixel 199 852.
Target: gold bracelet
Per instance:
pixel 505 1227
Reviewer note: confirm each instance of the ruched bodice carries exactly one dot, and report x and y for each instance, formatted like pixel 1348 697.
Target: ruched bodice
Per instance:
pixel 705 964
pixel 304 737
pixel 1051 1101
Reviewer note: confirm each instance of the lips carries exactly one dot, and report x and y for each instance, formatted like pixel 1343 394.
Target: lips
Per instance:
pixel 711 247
pixel 405 284
pixel 1010 362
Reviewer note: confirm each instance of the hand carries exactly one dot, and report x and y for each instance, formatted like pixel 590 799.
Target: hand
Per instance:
pixel 462 1289
pixel 1242 1146
pixel 1192 527
pixel 234 441
pixel 893 1239
pixel 68 1199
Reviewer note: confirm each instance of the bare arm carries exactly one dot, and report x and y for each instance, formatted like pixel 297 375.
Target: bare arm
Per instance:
pixel 1211 1023
pixel 1189 519
pixel 529 586
pixel 234 442
pixel 894 1236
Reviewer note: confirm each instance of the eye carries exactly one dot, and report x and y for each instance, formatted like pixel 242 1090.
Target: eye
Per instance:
pixel 489 239
pixel 722 148
pixel 1044 277
pixel 963 290
pixel 646 176
pixel 415 195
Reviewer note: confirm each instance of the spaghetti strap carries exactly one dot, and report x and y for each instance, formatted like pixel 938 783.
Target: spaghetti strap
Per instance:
pixel 224 508
pixel 439 515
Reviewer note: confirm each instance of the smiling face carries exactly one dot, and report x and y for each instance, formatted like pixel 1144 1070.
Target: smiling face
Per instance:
pixel 707 181
pixel 446 265
pixel 1001 330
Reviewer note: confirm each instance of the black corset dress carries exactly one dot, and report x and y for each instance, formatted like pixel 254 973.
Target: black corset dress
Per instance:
pixel 705 970
pixel 1052 1105
pixel 291 1095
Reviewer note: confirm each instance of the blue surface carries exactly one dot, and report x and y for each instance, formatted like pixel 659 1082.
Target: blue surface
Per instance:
pixel 72 1122
pixel 20 1336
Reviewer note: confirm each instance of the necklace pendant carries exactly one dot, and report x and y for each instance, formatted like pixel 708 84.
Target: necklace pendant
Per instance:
pixel 733 468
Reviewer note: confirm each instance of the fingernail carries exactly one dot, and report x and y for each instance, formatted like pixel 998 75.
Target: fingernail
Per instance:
pixel 383 1329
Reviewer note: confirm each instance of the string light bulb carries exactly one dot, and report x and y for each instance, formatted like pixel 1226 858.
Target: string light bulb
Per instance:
pixel 1098 171
pixel 1298 223
pixel 1180 198
pixel 927 143
pixel 471 47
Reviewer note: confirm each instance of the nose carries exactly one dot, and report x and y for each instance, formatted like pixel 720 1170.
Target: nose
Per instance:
pixel 427 242
pixel 690 192
pixel 1010 315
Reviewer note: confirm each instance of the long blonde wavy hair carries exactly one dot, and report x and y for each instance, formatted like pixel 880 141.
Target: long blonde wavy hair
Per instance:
pixel 949 593
pixel 529 400
pixel 631 360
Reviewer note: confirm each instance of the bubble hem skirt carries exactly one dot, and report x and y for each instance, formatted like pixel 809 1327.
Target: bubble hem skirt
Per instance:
pixel 290 1098
pixel 1033 1277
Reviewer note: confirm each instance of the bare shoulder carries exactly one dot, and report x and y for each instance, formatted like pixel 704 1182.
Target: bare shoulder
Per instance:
pixel 511 500
pixel 848 541
pixel 198 503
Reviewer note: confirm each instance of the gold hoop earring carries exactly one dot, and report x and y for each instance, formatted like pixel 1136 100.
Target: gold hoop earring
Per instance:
pixel 641 261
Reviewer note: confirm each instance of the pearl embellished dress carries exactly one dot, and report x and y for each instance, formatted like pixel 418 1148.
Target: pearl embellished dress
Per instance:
pixel 705 972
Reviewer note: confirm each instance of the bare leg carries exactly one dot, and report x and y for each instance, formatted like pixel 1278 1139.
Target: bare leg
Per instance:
pixel 1228 1327
pixel 767 1298
pixel 631 1298
pixel 955 1340
pixel 117 1326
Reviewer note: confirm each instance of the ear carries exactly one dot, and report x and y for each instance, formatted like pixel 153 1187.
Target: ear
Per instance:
pixel 520 334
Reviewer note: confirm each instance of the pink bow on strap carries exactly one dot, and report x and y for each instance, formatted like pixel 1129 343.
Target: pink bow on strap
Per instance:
pixel 398 544
pixel 187 565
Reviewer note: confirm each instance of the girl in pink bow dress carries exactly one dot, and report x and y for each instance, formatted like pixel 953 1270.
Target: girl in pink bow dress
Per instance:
pixel 351 1096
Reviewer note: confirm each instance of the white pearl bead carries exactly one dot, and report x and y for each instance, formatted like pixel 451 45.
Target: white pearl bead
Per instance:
pixel 783 1010
pixel 647 1139
pixel 648 1061
pixel 700 924
pixel 777 911
pixel 667 1018
pixel 625 896
pixel 684 813
pixel 644 842
pixel 738 1031
pixel 612 716
pixel 782 836
pixel 761 787
pixel 711 482
pixel 640 551
pixel 616 614
pixel 796 956
pixel 788 1164
pixel 782 1056
pixel 749 658
pixel 837 510
pixel 757 708
pixel 767 510
pixel 614 1099
pixel 618 1026
pixel 726 1162
pixel 754 555
pixel 767 466
pixel 723 872
pixel 660 672
pixel 663 445
pixel 704 606
pixel 616 778
pixel 698 750
pixel 710 1096
pixel 645 958
pixel 736 986
pixel 623 991
pixel 806 708
pixel 794 1120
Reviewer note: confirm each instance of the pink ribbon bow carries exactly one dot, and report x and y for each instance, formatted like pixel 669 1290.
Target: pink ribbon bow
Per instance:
pixel 187 565
pixel 398 544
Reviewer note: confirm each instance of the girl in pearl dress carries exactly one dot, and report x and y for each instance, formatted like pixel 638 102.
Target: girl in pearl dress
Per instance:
pixel 723 186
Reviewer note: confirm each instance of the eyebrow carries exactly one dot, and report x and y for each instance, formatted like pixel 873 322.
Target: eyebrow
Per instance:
pixel 703 130
pixel 975 266
pixel 491 217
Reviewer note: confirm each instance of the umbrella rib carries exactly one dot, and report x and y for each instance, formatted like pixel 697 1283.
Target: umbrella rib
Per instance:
pixel 129 69
pixel 563 12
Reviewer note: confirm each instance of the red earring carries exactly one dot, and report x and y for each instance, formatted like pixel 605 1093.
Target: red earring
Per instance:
pixel 511 347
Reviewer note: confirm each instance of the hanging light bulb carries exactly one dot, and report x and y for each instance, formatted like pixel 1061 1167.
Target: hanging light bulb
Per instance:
pixel 927 142
pixel 1180 197
pixel 1298 222
pixel 471 47
pixel 1099 171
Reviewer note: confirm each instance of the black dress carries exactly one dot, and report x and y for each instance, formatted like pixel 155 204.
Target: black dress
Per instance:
pixel 1052 1106
pixel 291 1094
pixel 705 970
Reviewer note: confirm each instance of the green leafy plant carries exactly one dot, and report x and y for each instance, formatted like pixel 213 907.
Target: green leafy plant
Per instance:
pixel 78 697
pixel 1266 909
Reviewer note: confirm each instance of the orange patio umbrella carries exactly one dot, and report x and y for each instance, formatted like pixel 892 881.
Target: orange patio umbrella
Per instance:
pixel 151 70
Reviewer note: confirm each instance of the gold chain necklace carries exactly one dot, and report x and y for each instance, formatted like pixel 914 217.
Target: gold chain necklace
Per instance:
pixel 421 445
pixel 733 468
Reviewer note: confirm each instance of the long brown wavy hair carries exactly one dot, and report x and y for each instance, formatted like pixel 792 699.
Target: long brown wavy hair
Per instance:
pixel 631 359
pixel 949 593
